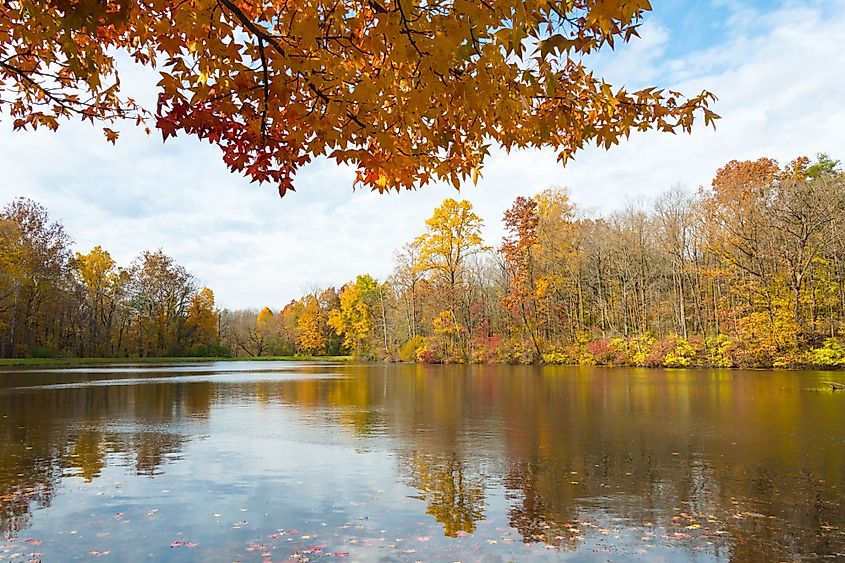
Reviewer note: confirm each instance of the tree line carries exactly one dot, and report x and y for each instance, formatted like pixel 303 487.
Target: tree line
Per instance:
pixel 749 271
pixel 55 302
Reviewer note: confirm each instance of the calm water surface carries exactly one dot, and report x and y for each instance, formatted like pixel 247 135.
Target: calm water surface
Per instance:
pixel 243 461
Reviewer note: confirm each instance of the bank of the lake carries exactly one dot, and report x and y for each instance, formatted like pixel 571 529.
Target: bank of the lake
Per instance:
pixel 59 362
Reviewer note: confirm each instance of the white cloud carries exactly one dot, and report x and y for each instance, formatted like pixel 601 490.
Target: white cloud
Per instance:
pixel 777 75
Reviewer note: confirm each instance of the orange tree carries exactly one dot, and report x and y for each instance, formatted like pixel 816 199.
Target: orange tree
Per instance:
pixel 406 91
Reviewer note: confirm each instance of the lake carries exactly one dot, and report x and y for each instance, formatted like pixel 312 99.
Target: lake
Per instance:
pixel 305 461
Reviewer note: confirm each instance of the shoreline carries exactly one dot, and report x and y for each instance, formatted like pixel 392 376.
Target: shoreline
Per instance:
pixel 83 362
pixel 60 362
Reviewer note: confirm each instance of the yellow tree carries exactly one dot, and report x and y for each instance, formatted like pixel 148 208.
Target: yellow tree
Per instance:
pixel 264 322
pixel 42 251
pixel 452 237
pixel 311 326
pixel 407 92
pixel 289 334
pixel 12 262
pixel 557 288
pixel 262 333
pixel 104 286
pixel 201 324
pixel 354 318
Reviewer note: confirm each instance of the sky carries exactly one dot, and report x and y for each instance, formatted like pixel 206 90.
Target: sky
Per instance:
pixel 776 67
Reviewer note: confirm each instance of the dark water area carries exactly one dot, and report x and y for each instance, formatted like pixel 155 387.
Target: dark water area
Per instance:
pixel 279 461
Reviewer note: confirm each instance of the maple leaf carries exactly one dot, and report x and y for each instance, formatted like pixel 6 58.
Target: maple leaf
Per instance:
pixel 111 135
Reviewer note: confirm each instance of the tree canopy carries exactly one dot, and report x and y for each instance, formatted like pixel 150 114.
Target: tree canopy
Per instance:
pixel 407 92
pixel 748 272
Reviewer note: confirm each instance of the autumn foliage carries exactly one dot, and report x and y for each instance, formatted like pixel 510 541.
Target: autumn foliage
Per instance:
pixel 407 92
pixel 747 272
pixel 54 302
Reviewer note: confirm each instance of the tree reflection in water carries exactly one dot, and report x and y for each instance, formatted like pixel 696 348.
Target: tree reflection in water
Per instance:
pixel 741 464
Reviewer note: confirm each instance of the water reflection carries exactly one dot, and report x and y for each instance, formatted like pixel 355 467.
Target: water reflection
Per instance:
pixel 723 464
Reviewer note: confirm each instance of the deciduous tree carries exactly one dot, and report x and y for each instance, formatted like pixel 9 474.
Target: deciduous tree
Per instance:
pixel 201 323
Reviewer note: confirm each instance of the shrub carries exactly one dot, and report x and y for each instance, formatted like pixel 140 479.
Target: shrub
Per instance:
pixel 720 351
pixel 559 356
pixel 485 349
pixel 680 354
pixel 622 355
pixel 426 355
pixel 41 352
pixel 514 351
pixel 602 352
pixel 831 354
pixel 208 351
pixel 640 349
pixel 408 352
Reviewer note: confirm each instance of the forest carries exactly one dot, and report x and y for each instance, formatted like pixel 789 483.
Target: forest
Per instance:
pixel 746 272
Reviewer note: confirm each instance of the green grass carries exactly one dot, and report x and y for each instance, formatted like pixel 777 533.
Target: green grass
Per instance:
pixel 18 362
